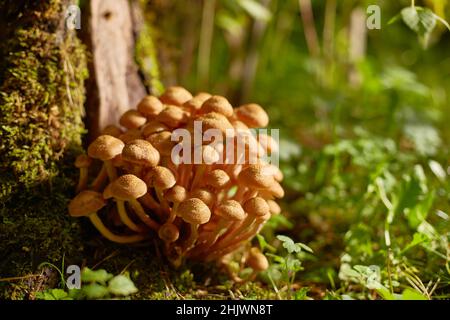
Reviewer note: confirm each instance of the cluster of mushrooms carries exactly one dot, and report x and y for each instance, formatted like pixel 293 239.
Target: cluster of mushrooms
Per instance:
pixel 131 189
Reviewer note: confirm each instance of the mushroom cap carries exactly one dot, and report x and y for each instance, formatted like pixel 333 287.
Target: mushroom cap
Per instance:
pixel 132 119
pixel 127 187
pixel 274 190
pixel 169 232
pixel 254 177
pixel 205 195
pixel 176 96
pixel 105 147
pixel 130 135
pixel 217 104
pixel 176 194
pixel 274 207
pixel 214 120
pixel 230 210
pixel 172 116
pixel 194 211
pixel 150 106
pixel 153 127
pixel 162 141
pixel 112 130
pixel 83 161
pixel 196 102
pixel 160 177
pixel 209 155
pixel 253 115
pixel 256 207
pixel 217 178
pixel 86 203
pixel 140 152
pixel 256 260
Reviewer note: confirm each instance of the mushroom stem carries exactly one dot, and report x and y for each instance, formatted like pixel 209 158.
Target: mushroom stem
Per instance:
pixel 198 175
pixel 173 212
pixel 192 238
pixel 111 170
pixel 125 219
pixel 143 216
pixel 82 182
pixel 100 179
pixel 236 243
pixel 162 201
pixel 240 193
pixel 237 229
pixel 98 224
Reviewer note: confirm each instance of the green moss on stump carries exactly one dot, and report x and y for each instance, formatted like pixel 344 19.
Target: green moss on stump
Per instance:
pixel 42 75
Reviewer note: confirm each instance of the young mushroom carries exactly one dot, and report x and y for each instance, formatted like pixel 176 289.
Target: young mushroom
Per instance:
pixel 161 179
pixel 257 261
pixel 105 148
pixel 150 106
pixel 86 204
pixel 128 188
pixel 141 154
pixel 195 212
pixel 175 195
pixel 217 104
pixel 132 119
pixel 176 96
pixel 83 163
pixel 252 115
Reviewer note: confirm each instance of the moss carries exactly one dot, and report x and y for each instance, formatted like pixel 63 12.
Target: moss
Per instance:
pixel 41 108
pixel 146 54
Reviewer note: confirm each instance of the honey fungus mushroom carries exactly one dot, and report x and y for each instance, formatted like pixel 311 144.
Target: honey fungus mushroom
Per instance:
pixel 128 188
pixel 203 211
pixel 86 204
pixel 257 260
pixel 105 148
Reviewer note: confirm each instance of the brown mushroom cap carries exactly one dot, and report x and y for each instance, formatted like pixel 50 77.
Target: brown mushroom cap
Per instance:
pixel 217 104
pixel 105 147
pixel 253 115
pixel 274 190
pixel 176 194
pixel 140 152
pixel 274 207
pixel 162 141
pixel 112 130
pixel 172 116
pixel 130 135
pixel 83 161
pixel 132 119
pixel 209 155
pixel 230 210
pixel 86 203
pixel 196 102
pixel 153 127
pixel 161 177
pixel 150 106
pixel 256 260
pixel 194 211
pixel 127 187
pixel 217 178
pixel 176 96
pixel 169 232
pixel 254 177
pixel 256 206
pixel 205 195
pixel 214 120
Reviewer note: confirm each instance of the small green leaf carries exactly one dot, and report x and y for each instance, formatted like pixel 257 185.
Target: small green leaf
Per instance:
pixel 94 291
pixel 101 276
pixel 59 294
pixel 411 294
pixel 122 285
pixel 420 20
pixel 289 244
